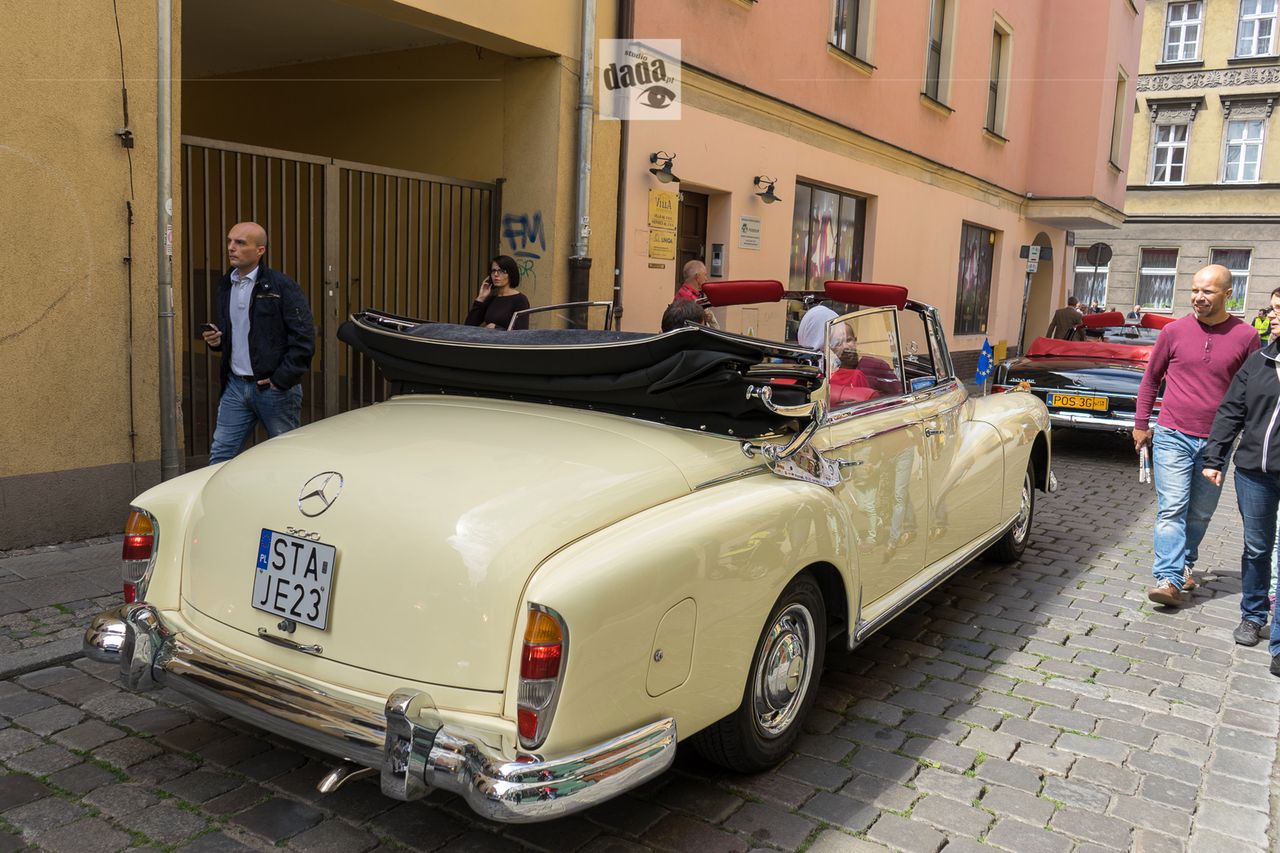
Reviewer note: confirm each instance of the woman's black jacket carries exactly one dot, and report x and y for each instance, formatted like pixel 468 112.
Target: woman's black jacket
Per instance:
pixel 1251 410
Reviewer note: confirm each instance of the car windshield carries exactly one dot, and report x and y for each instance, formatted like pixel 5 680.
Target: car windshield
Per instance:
pixel 1134 335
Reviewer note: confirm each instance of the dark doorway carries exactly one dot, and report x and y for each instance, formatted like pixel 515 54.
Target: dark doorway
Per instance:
pixel 691 232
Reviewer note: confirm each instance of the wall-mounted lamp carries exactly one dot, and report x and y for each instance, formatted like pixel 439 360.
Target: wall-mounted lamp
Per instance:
pixel 663 172
pixel 768 196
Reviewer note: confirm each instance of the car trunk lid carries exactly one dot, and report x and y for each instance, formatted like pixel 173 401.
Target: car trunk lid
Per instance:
pixel 446 507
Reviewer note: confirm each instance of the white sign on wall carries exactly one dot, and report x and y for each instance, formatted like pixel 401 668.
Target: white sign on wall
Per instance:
pixel 640 79
pixel 749 232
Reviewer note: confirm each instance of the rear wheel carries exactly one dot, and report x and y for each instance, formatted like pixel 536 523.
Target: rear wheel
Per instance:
pixel 1010 547
pixel 781 685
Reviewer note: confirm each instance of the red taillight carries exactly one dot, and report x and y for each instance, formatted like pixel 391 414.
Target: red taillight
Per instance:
pixel 139 537
pixel 139 548
pixel 540 672
pixel 540 661
pixel 527 724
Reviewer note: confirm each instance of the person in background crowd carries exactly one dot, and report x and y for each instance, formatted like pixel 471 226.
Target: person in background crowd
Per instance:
pixel 1263 324
pixel 1195 357
pixel 694 275
pixel 680 313
pixel 1065 319
pixel 1135 315
pixel 499 297
pixel 266 336
pixel 1249 410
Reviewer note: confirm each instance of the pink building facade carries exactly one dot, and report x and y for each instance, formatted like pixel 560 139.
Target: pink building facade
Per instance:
pixel 920 143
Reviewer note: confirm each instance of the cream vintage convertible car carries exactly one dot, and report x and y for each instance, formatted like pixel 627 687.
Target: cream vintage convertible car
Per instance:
pixel 554 554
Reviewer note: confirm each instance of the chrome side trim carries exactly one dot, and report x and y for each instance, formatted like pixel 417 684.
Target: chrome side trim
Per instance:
pixel 877 433
pixel 405 741
pixel 729 478
pixel 863 629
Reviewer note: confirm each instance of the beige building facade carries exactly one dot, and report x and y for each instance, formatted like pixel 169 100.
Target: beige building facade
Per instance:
pixel 1205 168
pixel 390 148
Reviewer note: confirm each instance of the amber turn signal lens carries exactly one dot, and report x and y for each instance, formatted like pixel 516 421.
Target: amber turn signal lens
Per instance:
pixel 542 628
pixel 139 537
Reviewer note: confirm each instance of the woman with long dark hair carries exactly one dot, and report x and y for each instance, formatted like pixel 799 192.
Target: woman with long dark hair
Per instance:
pixel 499 297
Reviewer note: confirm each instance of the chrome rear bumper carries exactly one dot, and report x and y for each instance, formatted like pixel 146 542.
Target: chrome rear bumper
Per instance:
pixel 1084 420
pixel 407 743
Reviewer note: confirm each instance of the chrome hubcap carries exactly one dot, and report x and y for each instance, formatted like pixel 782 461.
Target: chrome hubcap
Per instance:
pixel 784 671
pixel 1023 521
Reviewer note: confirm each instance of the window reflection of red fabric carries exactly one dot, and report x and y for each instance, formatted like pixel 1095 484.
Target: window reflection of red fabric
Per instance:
pixel 850 385
pixel 1088 349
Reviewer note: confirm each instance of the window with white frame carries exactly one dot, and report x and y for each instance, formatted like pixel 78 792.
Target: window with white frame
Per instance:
pixel 1117 120
pixel 1157 272
pixel 1182 32
pixel 934 69
pixel 1236 260
pixel 850 27
pixel 997 88
pixel 1169 153
pixel 1257 30
pixel 1243 152
pixel 1090 285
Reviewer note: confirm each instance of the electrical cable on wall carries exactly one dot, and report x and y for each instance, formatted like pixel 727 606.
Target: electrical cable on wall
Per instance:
pixel 126 142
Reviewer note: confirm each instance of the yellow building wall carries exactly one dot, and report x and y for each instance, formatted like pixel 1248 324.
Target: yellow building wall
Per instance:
pixel 454 111
pixel 72 370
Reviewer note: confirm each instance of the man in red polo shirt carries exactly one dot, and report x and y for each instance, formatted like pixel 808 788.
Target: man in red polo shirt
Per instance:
pixel 1195 357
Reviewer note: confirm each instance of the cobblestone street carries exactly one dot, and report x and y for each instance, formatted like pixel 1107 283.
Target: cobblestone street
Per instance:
pixel 1042 707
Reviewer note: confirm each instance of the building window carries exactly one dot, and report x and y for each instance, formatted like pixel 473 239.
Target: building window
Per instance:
pixel 1257 28
pixel 1243 152
pixel 1117 119
pixel 1156 275
pixel 850 27
pixel 1090 285
pixel 827 227
pixel 934 67
pixel 1169 154
pixel 973 290
pixel 1182 32
pixel 1236 260
pixel 998 85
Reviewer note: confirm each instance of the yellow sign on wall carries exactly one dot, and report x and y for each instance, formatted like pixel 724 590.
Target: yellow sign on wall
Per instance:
pixel 662 245
pixel 662 209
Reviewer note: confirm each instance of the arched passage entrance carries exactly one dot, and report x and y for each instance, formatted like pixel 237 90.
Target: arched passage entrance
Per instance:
pixel 1039 298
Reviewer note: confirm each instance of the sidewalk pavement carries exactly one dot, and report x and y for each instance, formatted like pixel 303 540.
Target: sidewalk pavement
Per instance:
pixel 48 594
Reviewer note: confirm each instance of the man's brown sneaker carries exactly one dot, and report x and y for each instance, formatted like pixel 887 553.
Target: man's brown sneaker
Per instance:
pixel 1188 581
pixel 1165 593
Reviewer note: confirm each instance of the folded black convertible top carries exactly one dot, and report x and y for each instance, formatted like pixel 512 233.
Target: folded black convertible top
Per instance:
pixel 693 377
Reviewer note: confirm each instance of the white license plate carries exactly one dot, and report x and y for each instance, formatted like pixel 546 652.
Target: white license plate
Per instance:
pixel 293 578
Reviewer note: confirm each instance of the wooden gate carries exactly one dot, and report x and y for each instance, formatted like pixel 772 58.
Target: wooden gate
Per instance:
pixel 352 235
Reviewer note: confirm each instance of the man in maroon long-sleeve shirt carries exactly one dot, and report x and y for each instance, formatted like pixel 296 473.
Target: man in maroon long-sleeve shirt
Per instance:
pixel 1195 357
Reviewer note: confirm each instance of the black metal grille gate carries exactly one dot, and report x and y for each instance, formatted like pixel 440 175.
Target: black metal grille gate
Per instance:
pixel 352 235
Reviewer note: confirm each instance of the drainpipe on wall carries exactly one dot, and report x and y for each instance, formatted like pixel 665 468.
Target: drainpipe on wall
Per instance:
pixel 170 466
pixel 626 25
pixel 579 261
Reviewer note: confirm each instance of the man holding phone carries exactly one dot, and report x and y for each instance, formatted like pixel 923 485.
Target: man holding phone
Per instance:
pixel 266 336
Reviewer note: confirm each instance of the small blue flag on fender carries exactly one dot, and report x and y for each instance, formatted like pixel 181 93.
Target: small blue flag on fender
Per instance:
pixel 986 361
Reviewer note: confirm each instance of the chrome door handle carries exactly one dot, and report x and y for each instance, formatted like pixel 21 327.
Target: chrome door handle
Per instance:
pixel 930 432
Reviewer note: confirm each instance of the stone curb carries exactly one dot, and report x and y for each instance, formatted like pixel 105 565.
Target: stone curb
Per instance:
pixel 40 657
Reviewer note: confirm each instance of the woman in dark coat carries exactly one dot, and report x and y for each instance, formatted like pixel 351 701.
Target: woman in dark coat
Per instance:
pixel 499 297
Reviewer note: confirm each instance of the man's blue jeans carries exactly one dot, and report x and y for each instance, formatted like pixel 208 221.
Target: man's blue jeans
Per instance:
pixel 1258 494
pixel 1185 502
pixel 243 404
